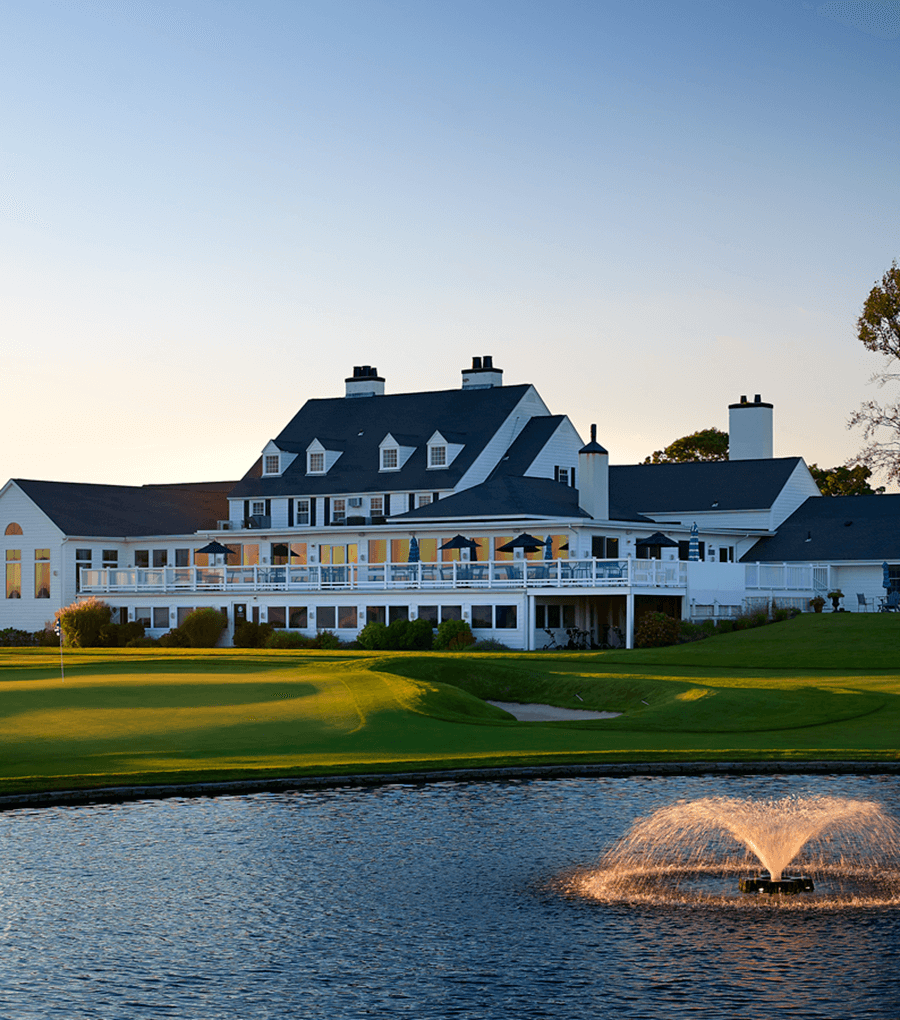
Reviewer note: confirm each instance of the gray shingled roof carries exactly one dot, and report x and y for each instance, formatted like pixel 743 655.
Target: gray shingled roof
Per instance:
pixel 527 445
pixel 512 496
pixel 838 528
pixel 120 511
pixel 698 485
pixel 359 424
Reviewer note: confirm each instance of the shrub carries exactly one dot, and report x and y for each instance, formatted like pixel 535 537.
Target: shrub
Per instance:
pixel 174 638
pixel 142 642
pixel 453 635
pixel 780 614
pixel 654 630
pixel 488 645
pixel 688 631
pixel 117 635
pixel 203 627
pixel 248 634
pixel 373 636
pixel 326 639
pixel 81 622
pixel 724 626
pixel 288 639
pixel 708 628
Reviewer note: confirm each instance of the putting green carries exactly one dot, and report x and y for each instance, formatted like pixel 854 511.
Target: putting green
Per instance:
pixel 145 715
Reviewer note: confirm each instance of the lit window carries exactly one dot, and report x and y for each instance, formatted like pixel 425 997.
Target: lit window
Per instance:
pixel 13 529
pixel 13 573
pixel 437 456
pixel 303 511
pixel 316 463
pixel 42 573
pixel 271 467
pixel 338 511
pixel 389 460
pixel 376 506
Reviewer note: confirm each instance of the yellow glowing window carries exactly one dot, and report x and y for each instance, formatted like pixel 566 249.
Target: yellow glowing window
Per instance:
pixel 377 550
pixel 13 529
pixel 428 550
pixel 399 550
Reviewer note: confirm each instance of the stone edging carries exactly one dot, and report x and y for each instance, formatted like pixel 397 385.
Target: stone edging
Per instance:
pixel 119 794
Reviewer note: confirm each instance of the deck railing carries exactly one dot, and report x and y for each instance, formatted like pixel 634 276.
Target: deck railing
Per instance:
pixel 803 577
pixel 627 573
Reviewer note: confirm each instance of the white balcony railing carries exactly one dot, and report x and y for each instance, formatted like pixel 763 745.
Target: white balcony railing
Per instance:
pixel 803 577
pixel 627 573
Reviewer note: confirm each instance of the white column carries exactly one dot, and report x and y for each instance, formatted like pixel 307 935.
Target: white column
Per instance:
pixel 629 619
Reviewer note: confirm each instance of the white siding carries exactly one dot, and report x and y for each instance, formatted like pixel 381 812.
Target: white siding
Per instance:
pixel 528 407
pixel 798 488
pixel 560 449
pixel 712 520
pixel 38 532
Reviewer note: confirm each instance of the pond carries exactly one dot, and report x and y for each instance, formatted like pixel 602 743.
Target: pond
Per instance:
pixel 432 901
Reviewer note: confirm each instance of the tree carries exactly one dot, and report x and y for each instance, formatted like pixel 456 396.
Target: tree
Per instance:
pixel 878 329
pixel 707 444
pixel 844 481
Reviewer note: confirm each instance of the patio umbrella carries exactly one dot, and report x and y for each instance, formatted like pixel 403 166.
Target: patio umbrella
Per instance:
pixel 548 549
pixel 658 538
pixel 214 549
pixel 886 578
pixel 524 541
pixel 694 547
pixel 461 542
pixel 413 556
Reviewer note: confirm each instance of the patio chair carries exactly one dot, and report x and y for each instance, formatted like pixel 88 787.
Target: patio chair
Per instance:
pixel 862 605
pixel 891 603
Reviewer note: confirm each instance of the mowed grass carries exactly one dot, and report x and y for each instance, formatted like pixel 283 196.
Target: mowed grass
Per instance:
pixel 818 687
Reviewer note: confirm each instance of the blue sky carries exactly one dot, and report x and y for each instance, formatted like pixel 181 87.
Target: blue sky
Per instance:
pixel 213 211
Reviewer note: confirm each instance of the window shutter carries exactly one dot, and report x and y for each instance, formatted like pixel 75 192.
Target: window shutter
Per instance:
pixel 268 508
pixel 312 511
pixel 290 513
pixel 435 496
pixel 326 510
pixel 412 501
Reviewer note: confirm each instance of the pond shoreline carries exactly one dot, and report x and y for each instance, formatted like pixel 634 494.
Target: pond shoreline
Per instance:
pixel 161 791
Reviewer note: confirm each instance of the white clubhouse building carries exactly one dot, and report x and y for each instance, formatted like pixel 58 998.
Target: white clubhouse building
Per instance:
pixel 376 506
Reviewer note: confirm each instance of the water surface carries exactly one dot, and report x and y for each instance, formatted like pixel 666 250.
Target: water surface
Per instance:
pixel 422 901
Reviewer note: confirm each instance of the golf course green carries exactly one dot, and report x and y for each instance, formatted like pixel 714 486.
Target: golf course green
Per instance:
pixel 823 687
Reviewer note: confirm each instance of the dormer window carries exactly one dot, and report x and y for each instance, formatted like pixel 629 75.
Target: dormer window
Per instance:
pixel 443 450
pixel 271 464
pixel 316 464
pixel 389 459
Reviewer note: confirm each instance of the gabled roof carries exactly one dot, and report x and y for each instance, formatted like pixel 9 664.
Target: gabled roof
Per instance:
pixel 120 511
pixel 472 416
pixel 700 486
pixel 511 497
pixel 838 528
pixel 527 445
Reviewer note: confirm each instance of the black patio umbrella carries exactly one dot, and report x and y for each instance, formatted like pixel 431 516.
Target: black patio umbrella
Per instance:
pixel 214 548
pixel 461 542
pixel 525 541
pixel 281 549
pixel 658 538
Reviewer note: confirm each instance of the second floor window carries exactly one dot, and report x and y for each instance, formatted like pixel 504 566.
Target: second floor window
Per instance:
pixel 339 511
pixel 303 511
pixel 258 508
pixel 424 499
pixel 376 506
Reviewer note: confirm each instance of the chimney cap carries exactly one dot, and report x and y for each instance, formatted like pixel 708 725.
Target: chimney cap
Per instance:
pixel 593 446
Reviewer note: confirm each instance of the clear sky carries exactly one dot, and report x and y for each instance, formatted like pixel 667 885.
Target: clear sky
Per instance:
pixel 212 211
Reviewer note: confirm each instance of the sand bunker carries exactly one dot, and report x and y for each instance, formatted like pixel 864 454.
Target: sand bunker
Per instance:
pixel 549 713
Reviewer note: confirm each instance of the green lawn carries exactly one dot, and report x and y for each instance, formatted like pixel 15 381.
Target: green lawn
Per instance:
pixel 818 687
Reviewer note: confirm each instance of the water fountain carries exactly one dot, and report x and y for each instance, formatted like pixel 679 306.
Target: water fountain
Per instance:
pixel 693 851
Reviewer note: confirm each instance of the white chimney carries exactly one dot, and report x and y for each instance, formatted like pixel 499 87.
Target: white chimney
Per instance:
pixel 482 375
pixel 750 430
pixel 365 382
pixel 593 479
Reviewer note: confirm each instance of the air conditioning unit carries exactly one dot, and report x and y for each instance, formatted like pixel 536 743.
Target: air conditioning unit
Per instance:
pixel 356 501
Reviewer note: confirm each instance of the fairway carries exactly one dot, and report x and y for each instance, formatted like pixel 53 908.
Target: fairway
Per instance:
pixel 812 688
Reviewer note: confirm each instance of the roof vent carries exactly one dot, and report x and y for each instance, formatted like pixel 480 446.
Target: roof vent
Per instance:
pixel 482 375
pixel 365 382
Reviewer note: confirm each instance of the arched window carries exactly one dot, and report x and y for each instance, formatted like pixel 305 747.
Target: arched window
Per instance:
pixel 13 529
